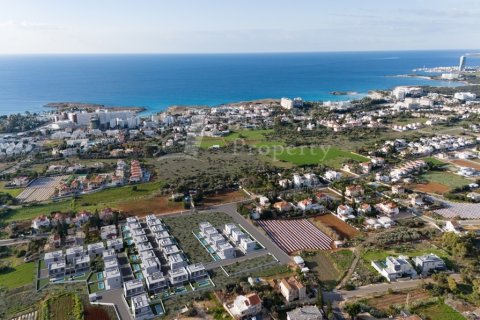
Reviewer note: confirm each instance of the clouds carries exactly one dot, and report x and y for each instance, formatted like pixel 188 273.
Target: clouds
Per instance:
pixel 27 25
pixel 51 26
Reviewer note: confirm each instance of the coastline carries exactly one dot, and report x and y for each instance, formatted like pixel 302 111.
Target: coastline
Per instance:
pixel 61 106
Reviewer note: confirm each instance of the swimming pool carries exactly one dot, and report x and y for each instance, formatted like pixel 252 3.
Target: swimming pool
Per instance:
pixel 158 309
pixel 136 267
pixel 99 275
pixel 203 283
pixel 180 289
pixel 101 285
pixel 134 257
pixel 139 276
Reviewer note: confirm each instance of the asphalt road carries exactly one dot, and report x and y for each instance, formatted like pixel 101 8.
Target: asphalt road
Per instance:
pixel 115 296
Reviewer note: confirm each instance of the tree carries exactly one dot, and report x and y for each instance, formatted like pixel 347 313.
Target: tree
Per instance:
pixel 353 309
pixel 320 299
pixel 452 284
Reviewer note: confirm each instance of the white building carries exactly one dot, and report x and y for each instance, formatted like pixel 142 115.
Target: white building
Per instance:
pixel 112 278
pixel 178 276
pixel 156 282
pixel 95 249
pixel 140 307
pixel 428 263
pixel 115 244
pixel 245 306
pixel 305 313
pixel 132 288
pixel 196 271
pixel 395 268
pixel 247 245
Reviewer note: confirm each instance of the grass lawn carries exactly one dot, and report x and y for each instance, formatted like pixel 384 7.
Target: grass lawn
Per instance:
pixel 434 161
pixel 181 228
pixel 255 138
pixel 446 178
pixel 11 191
pixel 245 266
pixel 438 311
pixel 20 275
pixel 327 155
pixel 97 200
pixel 329 267
pixel 61 307
pixel 207 142
pixel 248 135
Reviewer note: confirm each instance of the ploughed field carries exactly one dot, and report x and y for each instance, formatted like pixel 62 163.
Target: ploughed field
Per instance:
pixel 296 235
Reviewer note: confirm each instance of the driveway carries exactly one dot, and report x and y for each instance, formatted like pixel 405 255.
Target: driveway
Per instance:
pixel 115 297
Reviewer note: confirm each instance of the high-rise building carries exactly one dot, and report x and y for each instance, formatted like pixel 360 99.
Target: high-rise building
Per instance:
pixel 461 66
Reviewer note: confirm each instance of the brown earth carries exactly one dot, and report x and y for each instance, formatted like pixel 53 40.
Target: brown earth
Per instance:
pixel 431 187
pixel 466 163
pixel 224 197
pixel 156 205
pixel 96 313
pixel 383 302
pixel 341 227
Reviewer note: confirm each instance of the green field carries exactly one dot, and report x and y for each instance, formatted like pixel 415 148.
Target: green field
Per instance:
pixel 434 161
pixel 98 200
pixel 21 275
pixel 329 267
pixel 11 191
pixel 446 178
pixel 438 311
pixel 207 142
pixel 327 155
pixel 254 138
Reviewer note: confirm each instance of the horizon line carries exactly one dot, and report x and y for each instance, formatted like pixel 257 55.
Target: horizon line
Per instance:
pixel 228 53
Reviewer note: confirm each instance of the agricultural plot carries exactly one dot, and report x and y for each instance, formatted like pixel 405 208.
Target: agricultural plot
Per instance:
pixel 438 311
pixel 342 228
pixel 296 235
pixel 460 210
pixel 329 267
pixel 327 155
pixel 445 178
pixel 467 163
pixel 41 189
pixel 383 302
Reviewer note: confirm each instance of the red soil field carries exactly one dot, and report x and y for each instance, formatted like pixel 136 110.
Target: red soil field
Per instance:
pixel 431 187
pixel 342 228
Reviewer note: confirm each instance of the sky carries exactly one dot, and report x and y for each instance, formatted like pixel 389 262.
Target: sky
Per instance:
pixel 226 26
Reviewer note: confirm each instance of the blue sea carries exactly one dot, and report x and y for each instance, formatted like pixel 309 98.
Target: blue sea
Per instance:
pixel 28 82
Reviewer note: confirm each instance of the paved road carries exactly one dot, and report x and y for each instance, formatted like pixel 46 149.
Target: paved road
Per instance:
pixel 115 296
pixel 384 287
pixel 231 210
pixel 221 263
pixel 10 242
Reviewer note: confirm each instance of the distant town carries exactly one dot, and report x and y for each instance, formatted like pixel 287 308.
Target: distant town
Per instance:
pixel 268 209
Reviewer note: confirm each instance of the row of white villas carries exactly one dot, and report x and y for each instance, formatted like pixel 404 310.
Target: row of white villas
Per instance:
pixel 136 291
pixel 223 248
pixel 394 268
pixel 240 238
pixel 76 260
